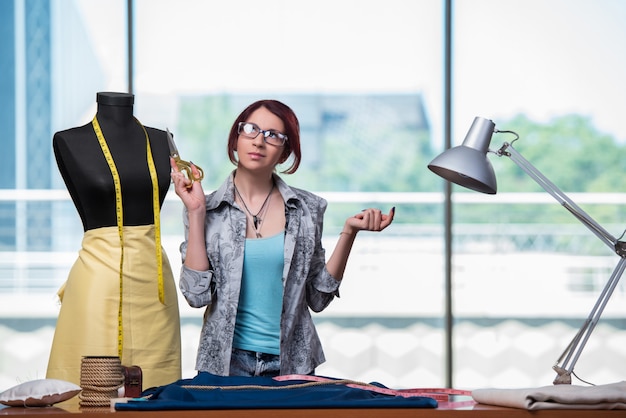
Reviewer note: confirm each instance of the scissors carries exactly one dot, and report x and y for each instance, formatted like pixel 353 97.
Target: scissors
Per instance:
pixel 182 164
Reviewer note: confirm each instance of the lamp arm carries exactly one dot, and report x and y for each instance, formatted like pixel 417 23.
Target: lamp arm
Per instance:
pixel 508 150
pixel 564 366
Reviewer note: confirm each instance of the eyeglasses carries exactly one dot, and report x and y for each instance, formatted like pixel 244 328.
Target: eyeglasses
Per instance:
pixel 251 131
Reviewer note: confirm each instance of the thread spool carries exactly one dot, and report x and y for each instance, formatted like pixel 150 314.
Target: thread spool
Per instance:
pixel 100 379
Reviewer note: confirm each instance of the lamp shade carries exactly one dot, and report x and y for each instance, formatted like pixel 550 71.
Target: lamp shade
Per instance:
pixel 467 164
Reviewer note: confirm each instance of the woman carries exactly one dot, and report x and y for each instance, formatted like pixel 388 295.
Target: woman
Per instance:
pixel 253 253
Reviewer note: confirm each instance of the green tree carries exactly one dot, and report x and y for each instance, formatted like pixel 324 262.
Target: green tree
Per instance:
pixel 568 150
pixel 204 123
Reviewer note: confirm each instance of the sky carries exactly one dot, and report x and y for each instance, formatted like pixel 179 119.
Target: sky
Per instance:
pixel 544 58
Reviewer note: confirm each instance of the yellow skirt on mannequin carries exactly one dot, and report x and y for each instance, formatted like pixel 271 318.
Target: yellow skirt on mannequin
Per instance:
pixel 87 324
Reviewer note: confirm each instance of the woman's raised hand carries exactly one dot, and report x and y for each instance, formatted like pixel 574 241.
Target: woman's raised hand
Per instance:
pixel 190 192
pixel 369 220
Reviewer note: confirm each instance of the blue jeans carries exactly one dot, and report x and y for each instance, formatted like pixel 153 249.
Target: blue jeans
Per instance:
pixel 251 363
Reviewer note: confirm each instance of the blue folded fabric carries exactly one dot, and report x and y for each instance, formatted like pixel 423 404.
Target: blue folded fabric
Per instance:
pixel 208 391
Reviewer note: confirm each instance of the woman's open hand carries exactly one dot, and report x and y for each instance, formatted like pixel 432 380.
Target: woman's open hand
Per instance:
pixel 369 220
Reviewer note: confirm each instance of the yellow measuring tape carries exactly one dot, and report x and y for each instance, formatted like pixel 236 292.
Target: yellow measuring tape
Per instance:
pixel 119 212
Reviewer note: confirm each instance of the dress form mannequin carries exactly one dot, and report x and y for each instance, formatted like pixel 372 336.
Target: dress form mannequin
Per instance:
pixel 87 175
pixel 91 312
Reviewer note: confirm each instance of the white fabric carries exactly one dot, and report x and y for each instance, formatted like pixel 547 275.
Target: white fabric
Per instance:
pixel 609 396
pixel 42 392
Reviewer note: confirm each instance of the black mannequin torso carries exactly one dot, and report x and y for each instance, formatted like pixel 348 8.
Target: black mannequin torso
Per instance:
pixel 87 175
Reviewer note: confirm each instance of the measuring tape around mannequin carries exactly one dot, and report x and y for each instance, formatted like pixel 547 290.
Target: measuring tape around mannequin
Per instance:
pixel 119 211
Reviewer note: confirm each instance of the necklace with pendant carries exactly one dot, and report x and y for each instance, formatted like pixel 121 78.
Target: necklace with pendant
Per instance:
pixel 256 221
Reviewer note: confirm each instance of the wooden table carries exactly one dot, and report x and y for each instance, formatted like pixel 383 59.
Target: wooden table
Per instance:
pixel 465 409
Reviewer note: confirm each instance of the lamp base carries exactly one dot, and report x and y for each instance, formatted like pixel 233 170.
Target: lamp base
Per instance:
pixel 563 376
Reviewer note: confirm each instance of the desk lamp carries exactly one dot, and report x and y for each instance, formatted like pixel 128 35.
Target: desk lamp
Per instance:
pixel 467 165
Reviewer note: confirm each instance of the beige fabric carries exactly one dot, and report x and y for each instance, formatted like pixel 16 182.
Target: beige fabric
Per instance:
pixel 88 320
pixel 609 396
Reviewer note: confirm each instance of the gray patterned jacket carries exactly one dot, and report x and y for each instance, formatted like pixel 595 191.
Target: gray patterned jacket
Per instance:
pixel 306 282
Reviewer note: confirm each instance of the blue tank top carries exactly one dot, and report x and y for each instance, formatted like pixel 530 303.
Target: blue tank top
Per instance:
pixel 261 296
